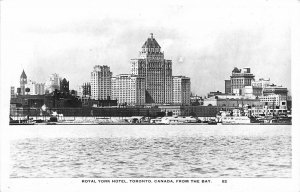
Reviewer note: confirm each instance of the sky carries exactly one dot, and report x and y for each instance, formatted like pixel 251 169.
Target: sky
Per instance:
pixel 204 39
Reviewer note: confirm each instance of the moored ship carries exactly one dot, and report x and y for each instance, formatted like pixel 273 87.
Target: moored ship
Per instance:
pixel 234 117
pixel 236 120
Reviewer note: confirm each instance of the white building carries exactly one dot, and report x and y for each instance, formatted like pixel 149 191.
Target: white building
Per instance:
pixel 252 92
pixel 101 82
pixel 80 91
pixel 35 88
pixel 52 83
pixel 12 92
pixel 262 83
pixel 181 90
pixel 128 89
pixel 274 100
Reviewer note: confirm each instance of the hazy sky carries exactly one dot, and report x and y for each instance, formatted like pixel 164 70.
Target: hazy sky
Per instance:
pixel 204 41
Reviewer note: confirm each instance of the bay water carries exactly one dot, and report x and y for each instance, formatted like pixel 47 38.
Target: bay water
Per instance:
pixel 156 151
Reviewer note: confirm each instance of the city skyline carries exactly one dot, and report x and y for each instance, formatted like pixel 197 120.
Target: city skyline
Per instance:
pixel 165 95
pixel 70 46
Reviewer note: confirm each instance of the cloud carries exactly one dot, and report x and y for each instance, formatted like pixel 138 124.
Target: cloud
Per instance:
pixel 204 42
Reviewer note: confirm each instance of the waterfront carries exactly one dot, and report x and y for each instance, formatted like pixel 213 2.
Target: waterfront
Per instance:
pixel 151 151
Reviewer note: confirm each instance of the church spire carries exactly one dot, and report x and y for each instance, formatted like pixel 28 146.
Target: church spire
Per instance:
pixel 23 75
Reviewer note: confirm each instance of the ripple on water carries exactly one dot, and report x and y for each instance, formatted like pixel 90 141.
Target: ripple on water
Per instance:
pixel 171 156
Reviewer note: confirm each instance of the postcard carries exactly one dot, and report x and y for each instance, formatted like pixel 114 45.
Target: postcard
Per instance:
pixel 149 95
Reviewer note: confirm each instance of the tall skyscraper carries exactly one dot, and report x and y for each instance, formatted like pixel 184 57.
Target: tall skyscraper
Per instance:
pixel 239 79
pixel 23 82
pixel 86 89
pixel 156 70
pixel 181 90
pixel 52 83
pixel 128 89
pixel 101 82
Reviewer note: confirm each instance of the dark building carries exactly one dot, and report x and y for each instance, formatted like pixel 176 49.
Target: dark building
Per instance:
pixel 86 89
pixel 289 102
pixel 64 86
pixel 214 93
pixel 28 101
pixel 54 100
pixel 199 111
pixel 196 100
pixel 110 111
pixel 100 103
pixel 227 86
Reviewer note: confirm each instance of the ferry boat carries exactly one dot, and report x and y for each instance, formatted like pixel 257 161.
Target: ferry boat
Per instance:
pixel 235 120
pixel 178 120
pixel 234 117
pixel 156 121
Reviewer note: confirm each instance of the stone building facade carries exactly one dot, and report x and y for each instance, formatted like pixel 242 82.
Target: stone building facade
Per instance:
pixel 156 70
pixel 181 90
pixel 239 79
pixel 101 82
pixel 129 89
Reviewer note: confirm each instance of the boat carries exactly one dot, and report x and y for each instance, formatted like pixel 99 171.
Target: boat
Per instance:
pixel 212 122
pixel 233 117
pixel 235 120
pixel 178 120
pixel 22 121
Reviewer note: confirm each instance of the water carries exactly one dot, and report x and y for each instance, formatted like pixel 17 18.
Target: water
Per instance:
pixel 151 151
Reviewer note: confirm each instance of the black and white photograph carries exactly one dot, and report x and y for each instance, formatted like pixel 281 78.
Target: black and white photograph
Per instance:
pixel 124 93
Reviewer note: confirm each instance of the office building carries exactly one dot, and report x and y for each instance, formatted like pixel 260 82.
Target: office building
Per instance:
pixel 262 83
pixel 128 89
pixel 86 89
pixel 252 92
pixel 231 101
pixel 181 90
pixel 12 92
pixel 276 90
pixel 101 82
pixel 214 93
pixel 274 101
pixel 239 79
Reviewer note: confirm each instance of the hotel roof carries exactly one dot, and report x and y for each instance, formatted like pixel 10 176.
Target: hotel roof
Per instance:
pixel 151 42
